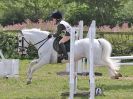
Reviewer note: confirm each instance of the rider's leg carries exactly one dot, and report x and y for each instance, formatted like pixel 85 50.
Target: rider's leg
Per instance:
pixel 65 55
pixel 62 46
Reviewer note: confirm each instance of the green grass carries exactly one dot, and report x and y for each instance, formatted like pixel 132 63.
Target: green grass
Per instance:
pixel 47 85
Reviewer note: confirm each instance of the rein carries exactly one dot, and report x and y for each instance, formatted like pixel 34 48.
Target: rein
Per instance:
pixel 23 39
pixel 45 40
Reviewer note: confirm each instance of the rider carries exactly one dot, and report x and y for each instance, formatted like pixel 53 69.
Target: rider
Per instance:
pixel 63 30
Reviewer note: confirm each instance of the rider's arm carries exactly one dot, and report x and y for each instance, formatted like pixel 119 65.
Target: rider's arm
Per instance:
pixel 60 29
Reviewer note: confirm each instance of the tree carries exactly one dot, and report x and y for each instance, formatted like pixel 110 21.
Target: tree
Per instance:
pixel 17 11
pixel 126 13
pixel 76 12
pixel 103 11
pixel 12 12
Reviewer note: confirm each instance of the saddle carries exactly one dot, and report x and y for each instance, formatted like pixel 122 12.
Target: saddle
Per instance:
pixel 57 47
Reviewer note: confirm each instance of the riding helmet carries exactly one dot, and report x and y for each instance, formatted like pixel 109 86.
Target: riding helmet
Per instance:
pixel 56 15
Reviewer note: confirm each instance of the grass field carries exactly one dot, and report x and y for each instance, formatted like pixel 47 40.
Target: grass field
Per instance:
pixel 47 85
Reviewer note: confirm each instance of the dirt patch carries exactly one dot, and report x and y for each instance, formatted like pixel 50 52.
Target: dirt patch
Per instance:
pixel 126 78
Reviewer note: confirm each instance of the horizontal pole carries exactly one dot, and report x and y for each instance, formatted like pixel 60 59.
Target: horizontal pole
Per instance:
pixel 122 57
pixel 129 64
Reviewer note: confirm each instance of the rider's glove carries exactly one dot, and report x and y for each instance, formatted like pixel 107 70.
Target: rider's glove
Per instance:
pixel 50 35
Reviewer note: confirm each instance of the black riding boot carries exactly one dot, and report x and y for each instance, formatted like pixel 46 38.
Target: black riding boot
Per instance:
pixel 65 55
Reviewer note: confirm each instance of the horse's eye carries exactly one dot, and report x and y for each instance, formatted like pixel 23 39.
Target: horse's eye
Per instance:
pixel 20 40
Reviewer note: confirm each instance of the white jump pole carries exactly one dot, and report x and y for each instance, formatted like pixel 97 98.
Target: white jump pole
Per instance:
pixel 81 29
pixel 80 68
pixel 81 65
pixel 91 60
pixel 72 63
pixel 122 57
pixel 128 63
pixel 88 36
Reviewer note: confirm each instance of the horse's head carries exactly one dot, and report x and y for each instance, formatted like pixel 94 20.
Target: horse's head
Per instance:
pixel 34 37
pixel 23 43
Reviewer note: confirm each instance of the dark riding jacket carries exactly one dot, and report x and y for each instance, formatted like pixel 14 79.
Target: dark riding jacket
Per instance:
pixel 63 28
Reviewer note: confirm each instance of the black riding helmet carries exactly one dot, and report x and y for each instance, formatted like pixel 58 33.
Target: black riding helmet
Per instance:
pixel 56 15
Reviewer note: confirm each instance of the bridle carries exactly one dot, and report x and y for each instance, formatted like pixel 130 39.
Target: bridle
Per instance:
pixel 22 48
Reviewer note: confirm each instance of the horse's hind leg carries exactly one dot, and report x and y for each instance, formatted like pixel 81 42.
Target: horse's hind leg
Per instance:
pixel 112 69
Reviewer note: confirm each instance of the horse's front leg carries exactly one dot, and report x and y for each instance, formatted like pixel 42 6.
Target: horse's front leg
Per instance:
pixel 30 65
pixel 41 62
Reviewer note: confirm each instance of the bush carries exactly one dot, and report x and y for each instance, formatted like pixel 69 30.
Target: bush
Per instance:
pixel 9 46
pixel 121 43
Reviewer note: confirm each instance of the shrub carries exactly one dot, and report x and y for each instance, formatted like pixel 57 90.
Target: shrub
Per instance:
pixel 9 46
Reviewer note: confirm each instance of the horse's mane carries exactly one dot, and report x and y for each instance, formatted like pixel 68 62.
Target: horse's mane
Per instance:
pixel 35 30
pixel 30 30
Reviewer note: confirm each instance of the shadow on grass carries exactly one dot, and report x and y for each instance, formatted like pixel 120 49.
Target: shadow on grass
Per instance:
pixel 37 98
pixel 104 88
pixel 79 94
pixel 63 97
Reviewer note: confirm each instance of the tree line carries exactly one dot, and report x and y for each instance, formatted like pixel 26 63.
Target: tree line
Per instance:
pixel 105 12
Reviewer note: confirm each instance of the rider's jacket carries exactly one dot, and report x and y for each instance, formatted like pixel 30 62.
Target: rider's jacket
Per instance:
pixel 63 28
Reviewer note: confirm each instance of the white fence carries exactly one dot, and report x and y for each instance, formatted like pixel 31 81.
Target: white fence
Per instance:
pixel 73 72
pixel 8 67
pixel 123 58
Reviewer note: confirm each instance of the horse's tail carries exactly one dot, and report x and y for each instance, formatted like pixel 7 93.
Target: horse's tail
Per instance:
pixel 106 53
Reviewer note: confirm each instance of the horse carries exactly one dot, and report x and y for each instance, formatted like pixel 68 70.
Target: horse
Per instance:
pixel 47 55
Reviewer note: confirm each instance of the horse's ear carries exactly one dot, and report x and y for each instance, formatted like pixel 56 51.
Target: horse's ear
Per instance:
pixel 21 32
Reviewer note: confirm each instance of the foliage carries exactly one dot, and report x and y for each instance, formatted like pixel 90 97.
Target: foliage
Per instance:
pixel 121 43
pixel 76 12
pixel 13 12
pixel 109 12
pixel 9 46
pixel 126 13
pixel 104 11
pixel 19 10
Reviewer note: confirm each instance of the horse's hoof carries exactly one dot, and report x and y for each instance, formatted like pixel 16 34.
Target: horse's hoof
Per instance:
pixel 114 77
pixel 28 82
pixel 5 77
pixel 119 75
